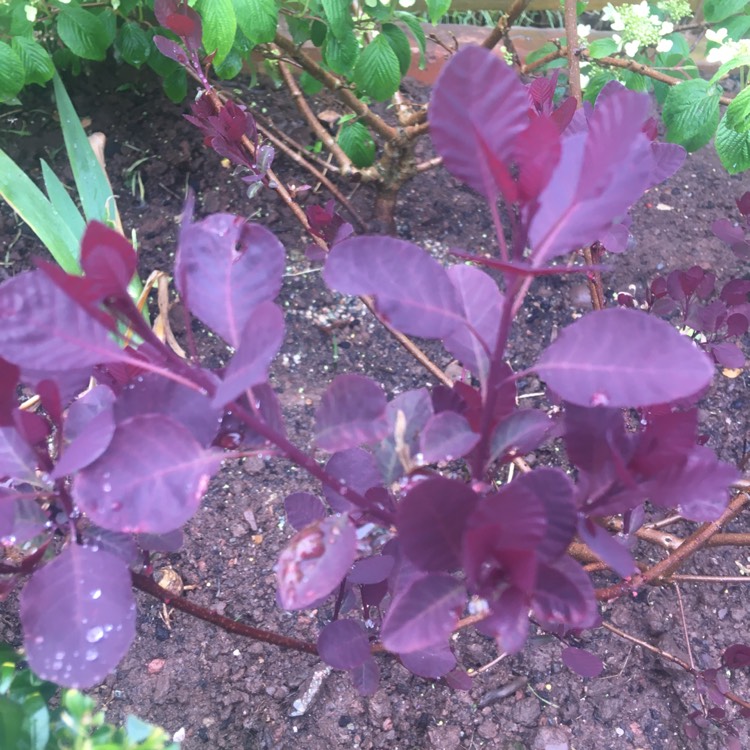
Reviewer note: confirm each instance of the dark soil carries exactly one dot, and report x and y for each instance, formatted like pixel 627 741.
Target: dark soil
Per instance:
pixel 221 691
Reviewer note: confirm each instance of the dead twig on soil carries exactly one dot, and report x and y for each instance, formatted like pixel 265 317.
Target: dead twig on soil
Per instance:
pixel 670 657
pixel 151 587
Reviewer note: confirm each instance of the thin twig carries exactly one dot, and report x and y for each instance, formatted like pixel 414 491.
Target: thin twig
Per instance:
pixel 504 23
pixel 640 68
pixel 669 657
pixel 380 126
pixel 662 570
pixel 149 586
pixel 574 67
pixel 344 162
pixel 318 175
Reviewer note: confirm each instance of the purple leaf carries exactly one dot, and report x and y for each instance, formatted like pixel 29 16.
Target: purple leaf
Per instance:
pixel 78 617
pixel 21 518
pixel 302 509
pixel 84 409
pixel 736 656
pixel 698 485
pixel 668 158
pixel 582 662
pixel 17 457
pixel 351 412
pixel 412 291
pixel 433 662
pixel 366 677
pixel 91 442
pixel 371 570
pixel 564 595
pixel 153 394
pixel 607 548
pixel 599 176
pixel 508 622
pixel 728 232
pixel 480 303
pixel 458 679
pixel 151 479
pixel 537 152
pixel 415 408
pixel 446 436
pixel 623 358
pixel 431 520
pixel 502 536
pixel 728 354
pixel 356 469
pixel 41 328
pixel 108 260
pixel 259 344
pixel 170 49
pixel 478 107
pixel 115 542
pixel 521 432
pixel 315 561
pixel 555 491
pixel 225 268
pixel 424 614
pixel 343 644
pixel 171 541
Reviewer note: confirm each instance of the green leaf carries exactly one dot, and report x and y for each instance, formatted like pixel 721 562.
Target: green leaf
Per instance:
pixel 308 84
pixel 91 182
pixel 340 55
pixel 596 83
pixel 257 19
pixel 219 27
pixel 12 73
pixel 30 203
pixel 357 143
pixel 175 85
pixel 602 48
pixel 738 112
pixel 62 202
pixel 339 16
pixel 691 113
pixel 82 32
pixel 680 45
pixel 400 45
pixel 37 64
pixel 414 25
pixel 436 9
pixel 541 52
pixel 108 21
pixel 11 721
pixel 230 66
pixel 733 148
pixel 718 10
pixel 737 26
pixel 36 723
pixel 19 24
pixel 634 81
pixel 377 73
pixel 299 29
pixel 318 33
pixel 730 65
pixel 133 44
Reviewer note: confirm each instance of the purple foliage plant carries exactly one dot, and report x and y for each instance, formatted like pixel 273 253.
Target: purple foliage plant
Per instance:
pixel 129 433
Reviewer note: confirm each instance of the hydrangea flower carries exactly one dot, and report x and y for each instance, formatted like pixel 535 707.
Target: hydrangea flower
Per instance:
pixel 639 27
pixel 727 49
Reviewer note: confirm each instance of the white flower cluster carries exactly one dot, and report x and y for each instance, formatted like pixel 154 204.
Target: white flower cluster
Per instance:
pixel 638 27
pixel 728 49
